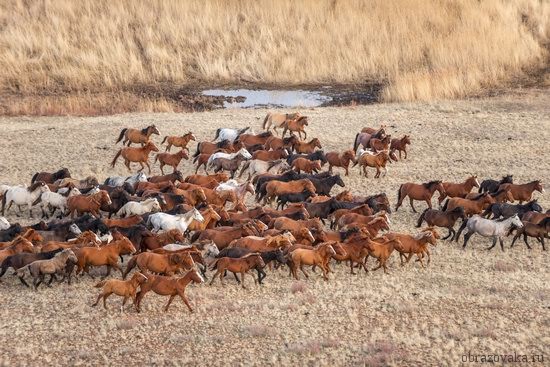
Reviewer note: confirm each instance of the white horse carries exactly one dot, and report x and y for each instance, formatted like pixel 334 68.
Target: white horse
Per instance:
pixel 239 189
pixel 4 224
pixel 257 167
pixel 55 200
pixel 229 134
pixel 245 153
pixel 167 222
pixel 139 207
pixel 489 228
pixel 132 180
pixel 23 195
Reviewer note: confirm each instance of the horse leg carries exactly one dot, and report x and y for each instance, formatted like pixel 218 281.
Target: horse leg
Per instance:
pixel 501 240
pixel 169 302
pixel 525 240
pixel 127 164
pixel 52 277
pixel 237 278
pixel 494 244
pixel 124 303
pixel 412 204
pixel 97 300
pixel 148 166
pixel 105 296
pixel 449 234
pixel 185 300
pixel 466 238
pixel 462 226
pixel 242 279
pixel 541 239
pixel 515 238
pixel 162 168
pixel 303 270
pixel 142 167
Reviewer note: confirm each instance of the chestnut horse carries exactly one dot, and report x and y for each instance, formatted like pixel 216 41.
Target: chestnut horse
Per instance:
pixel 523 192
pixel 168 286
pixel 319 256
pixel 375 160
pixel 276 188
pixel 240 265
pixel 137 136
pixel 297 124
pixel 305 165
pixel 336 159
pixel 460 190
pixel 137 155
pixel 106 255
pixel 178 141
pixel 423 192
pixel 400 145
pixel 278 119
pixel 172 160
pixel 88 204
pixel 302 147
pixel 471 207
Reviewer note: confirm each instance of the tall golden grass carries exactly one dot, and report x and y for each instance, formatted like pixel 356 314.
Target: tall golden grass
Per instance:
pixel 419 49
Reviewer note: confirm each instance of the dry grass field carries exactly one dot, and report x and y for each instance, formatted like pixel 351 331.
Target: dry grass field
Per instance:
pixel 471 301
pixel 101 57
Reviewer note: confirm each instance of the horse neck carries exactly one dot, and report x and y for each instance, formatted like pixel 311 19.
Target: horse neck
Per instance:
pixel 468 185
pixel 186 279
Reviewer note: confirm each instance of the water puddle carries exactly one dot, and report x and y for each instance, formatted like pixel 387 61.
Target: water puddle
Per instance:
pixel 249 98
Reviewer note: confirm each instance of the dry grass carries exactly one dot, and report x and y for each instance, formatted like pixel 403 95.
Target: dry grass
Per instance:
pixel 419 49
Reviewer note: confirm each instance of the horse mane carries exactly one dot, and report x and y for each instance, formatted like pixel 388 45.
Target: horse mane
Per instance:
pixel 223 143
pixel 35 185
pixel 431 183
pixel 265 134
pixel 144 131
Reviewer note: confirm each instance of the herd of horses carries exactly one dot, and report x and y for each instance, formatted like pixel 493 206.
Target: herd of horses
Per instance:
pixel 172 224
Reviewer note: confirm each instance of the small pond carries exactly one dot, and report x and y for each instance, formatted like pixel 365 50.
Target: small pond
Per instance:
pixel 270 98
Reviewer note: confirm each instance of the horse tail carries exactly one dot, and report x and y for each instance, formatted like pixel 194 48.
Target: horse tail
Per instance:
pixel 399 193
pixel 198 151
pixel 100 284
pixel 116 157
pixel 3 203
pixel 217 134
pixel 156 158
pixel 122 135
pixel 131 264
pixel 195 160
pixel 195 236
pixel 34 177
pixel 266 119
pixel 421 219
pixel 356 142
pixel 445 205
pixel 164 140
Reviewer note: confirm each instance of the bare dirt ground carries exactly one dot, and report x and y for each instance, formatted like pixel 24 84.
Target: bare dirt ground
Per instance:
pixel 471 301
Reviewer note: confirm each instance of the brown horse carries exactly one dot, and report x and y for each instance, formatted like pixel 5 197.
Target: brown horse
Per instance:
pixel 278 120
pixel 305 165
pixel 178 141
pixel 172 177
pixel 276 188
pixel 410 245
pixel 50 178
pixel 172 160
pixel 400 145
pixel 122 288
pixel 231 165
pixel 260 244
pixel 152 241
pixel 222 238
pixel 319 256
pixel 168 286
pixel 127 222
pixel 335 216
pixel 137 155
pixel 501 196
pixel 423 192
pixel 376 160
pixel 538 231
pixel 444 219
pixel 240 265
pixel 137 136
pixel 106 255
pixel 459 190
pixel 87 238
pixel 297 124
pixel 271 155
pixel 88 204
pixel 343 160
pixel 250 140
pixel 167 264
pixel 380 144
pixel 30 235
pixel 206 181
pixel 307 148
pixel 211 217
pixel 363 138
pixel 17 246
pixel 523 192
pixel 274 143
pixel 470 207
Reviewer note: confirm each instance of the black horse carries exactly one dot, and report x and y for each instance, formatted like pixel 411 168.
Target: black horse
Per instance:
pixel 19 260
pixel 283 199
pixel 10 233
pixel 491 186
pixel 324 186
pixel 318 155
pixel 506 210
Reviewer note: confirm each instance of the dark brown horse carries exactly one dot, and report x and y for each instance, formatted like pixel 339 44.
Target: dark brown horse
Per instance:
pixel 50 178
pixel 442 219
pixel 400 145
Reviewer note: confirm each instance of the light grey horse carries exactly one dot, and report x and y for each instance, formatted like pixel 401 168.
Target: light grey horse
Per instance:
pixel 490 228
pixel 229 134
pixel 132 180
